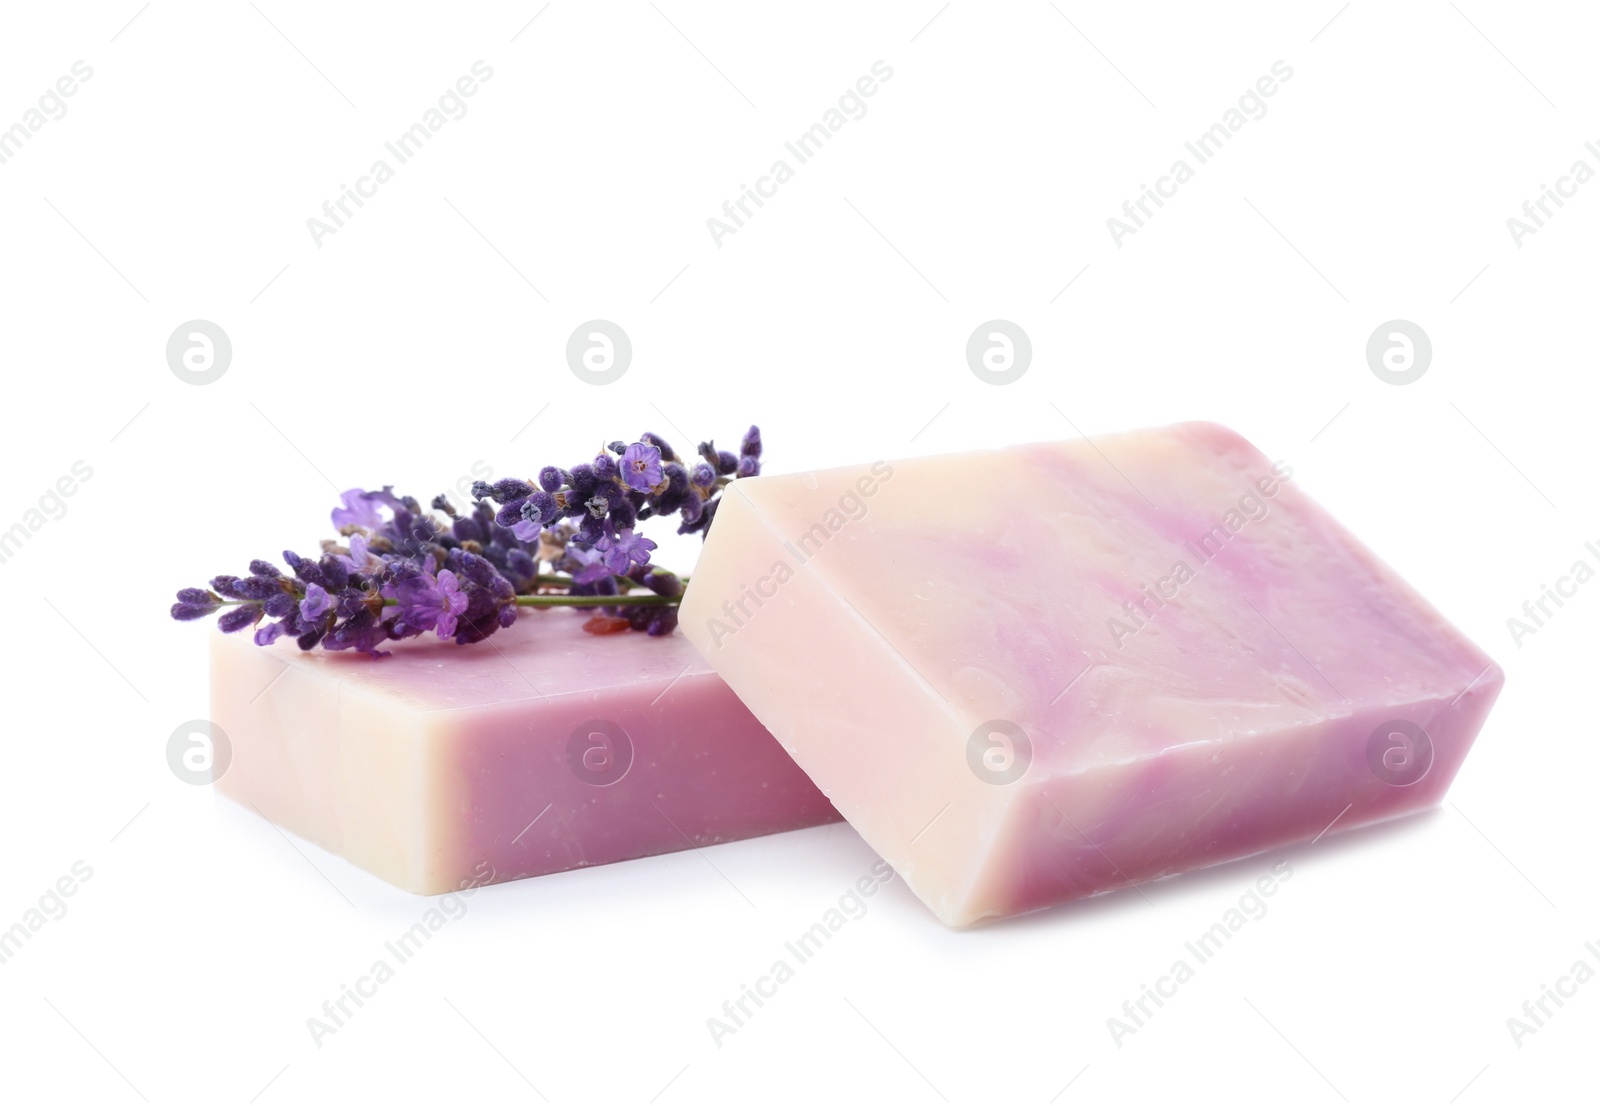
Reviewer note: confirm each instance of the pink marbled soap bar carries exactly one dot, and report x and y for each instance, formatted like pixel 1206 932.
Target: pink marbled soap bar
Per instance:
pixel 543 749
pixel 1050 671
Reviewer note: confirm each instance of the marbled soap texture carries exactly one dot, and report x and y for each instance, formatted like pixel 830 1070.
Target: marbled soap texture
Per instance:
pixel 1054 670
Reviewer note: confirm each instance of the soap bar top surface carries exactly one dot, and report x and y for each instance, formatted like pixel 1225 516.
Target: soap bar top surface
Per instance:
pixel 544 655
pixel 1113 601
pixel 1001 578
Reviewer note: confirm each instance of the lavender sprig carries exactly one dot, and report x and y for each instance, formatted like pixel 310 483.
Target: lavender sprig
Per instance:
pixel 405 571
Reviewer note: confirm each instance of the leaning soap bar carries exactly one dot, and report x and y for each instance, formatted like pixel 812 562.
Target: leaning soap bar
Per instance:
pixel 541 749
pixel 1055 670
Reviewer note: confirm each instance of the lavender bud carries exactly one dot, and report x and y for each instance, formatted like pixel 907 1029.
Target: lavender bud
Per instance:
pixel 511 488
pixel 511 514
pixel 541 508
pixel 663 582
pixel 590 530
pixel 188 612
pixel 670 501
pixel 256 587
pixel 522 563
pixel 582 481
pixel 280 605
pixel 237 619
pixel 660 443
pixel 335 575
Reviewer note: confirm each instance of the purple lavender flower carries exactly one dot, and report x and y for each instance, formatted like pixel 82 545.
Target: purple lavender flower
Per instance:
pixel 362 631
pixel 315 604
pixel 693 507
pixel 624 548
pixel 361 559
pixel 403 569
pixel 641 466
pixel 586 565
pixel 540 509
pixel 361 508
pixel 414 601
pixel 454 603
pixel 269 633
pixel 428 602
pixel 667 453
pixel 491 599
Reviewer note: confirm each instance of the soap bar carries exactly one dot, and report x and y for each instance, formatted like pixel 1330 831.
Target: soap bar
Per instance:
pixel 1055 670
pixel 542 749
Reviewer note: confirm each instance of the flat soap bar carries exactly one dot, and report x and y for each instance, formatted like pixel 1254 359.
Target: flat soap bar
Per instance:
pixel 541 749
pixel 1050 671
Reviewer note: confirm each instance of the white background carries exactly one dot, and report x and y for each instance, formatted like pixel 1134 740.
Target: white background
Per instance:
pixel 425 334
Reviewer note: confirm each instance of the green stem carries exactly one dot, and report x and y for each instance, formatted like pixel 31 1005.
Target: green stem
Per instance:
pixel 566 581
pixel 641 600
